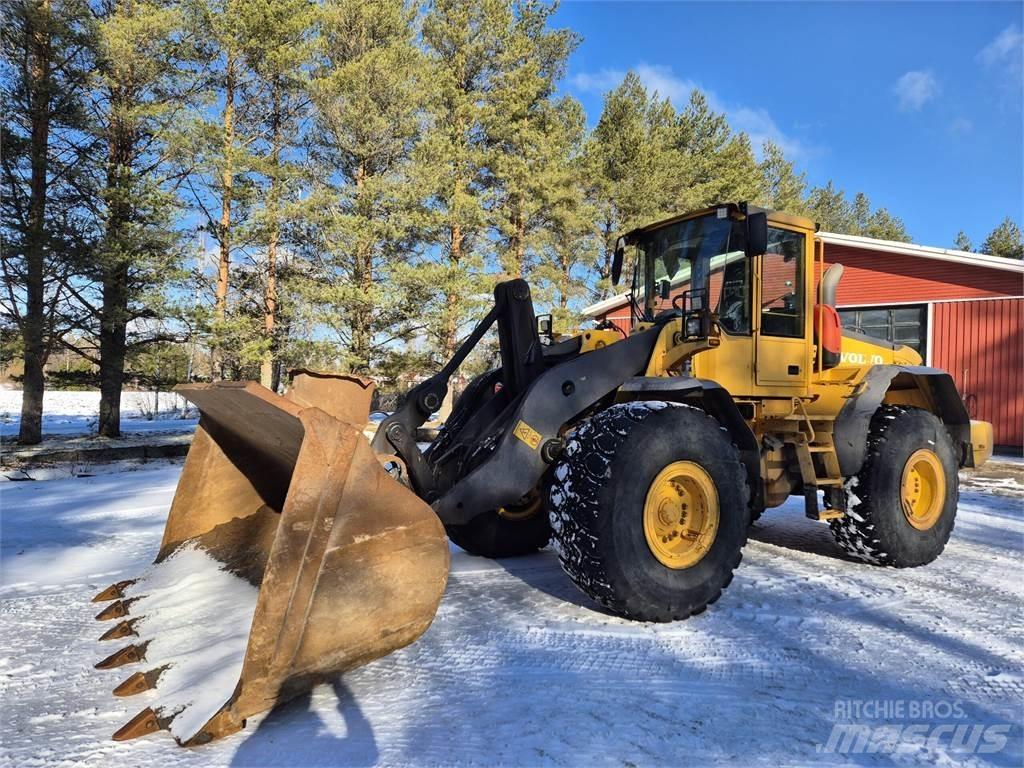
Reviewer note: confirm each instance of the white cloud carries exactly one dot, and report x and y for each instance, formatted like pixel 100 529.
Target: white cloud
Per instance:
pixel 915 89
pixel 756 122
pixel 1006 48
pixel 961 126
pixel 597 82
pixel 660 78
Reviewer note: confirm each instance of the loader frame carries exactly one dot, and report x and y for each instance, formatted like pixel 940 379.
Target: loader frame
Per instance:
pixel 495 451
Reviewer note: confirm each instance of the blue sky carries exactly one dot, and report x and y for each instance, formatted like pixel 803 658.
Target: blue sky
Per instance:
pixel 917 104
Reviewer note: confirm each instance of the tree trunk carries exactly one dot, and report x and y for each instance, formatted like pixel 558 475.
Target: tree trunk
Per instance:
pixel 518 249
pixel 361 322
pixel 33 321
pixel 268 365
pixel 116 260
pixel 605 269
pixel 227 180
pixel 453 301
pixel 113 332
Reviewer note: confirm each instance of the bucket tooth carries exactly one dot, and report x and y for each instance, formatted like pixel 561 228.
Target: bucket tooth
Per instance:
pixel 143 724
pixel 115 610
pixel 139 682
pixel 113 592
pixel 123 629
pixel 131 654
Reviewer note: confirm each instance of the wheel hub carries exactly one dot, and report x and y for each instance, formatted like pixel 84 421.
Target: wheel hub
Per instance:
pixel 681 515
pixel 923 489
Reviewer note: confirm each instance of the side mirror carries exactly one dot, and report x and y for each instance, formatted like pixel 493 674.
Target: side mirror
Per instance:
pixel 544 326
pixel 617 257
pixel 665 289
pixel 757 234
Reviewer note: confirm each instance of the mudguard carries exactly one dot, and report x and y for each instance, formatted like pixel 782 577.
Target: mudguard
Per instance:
pixel 714 399
pixel 854 420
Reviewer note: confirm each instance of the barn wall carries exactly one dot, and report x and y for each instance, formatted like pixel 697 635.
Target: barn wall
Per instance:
pixel 981 344
pixel 874 277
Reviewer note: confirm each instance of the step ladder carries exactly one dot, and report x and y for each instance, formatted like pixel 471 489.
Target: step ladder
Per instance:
pixel 808 445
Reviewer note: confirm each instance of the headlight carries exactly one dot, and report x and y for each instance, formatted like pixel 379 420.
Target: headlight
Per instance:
pixel 692 326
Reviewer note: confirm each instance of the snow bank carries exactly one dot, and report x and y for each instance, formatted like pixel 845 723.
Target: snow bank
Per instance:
pixel 196 617
pixel 76 413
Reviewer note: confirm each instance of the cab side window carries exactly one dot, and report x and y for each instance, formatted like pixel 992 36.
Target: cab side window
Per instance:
pixel 782 284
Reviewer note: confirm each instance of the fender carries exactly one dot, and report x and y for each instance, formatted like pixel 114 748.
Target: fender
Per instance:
pixel 854 420
pixel 527 442
pixel 715 400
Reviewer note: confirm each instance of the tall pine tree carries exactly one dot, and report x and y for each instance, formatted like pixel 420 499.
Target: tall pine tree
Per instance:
pixel 276 43
pixel 368 94
pixel 635 167
pixel 462 42
pixel 782 187
pixel 523 131
pixel 46 193
pixel 143 82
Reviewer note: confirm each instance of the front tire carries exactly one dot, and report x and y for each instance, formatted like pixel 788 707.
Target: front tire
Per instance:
pixel 649 510
pixel 902 503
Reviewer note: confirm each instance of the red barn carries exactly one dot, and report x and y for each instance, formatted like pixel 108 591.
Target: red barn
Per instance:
pixel 963 312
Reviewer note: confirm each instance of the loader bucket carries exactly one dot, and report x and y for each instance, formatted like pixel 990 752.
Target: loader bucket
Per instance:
pixel 289 556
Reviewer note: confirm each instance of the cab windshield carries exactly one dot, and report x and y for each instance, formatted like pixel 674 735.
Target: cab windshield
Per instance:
pixel 684 255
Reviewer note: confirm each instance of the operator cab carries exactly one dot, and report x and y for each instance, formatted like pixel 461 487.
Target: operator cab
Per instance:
pixel 730 273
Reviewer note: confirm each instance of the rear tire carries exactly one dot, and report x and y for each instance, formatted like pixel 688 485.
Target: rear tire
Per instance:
pixel 493 535
pixel 600 504
pixel 902 504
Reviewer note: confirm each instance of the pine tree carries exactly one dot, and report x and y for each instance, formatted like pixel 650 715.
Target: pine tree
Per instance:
pixel 861 214
pixel 362 212
pixel 884 226
pixel 143 79
pixel 567 242
pixel 829 207
pixel 963 242
pixel 47 50
pixel 782 187
pixel 462 44
pixel 1004 240
pixel 635 168
pixel 718 165
pixel 736 173
pixel 217 142
pixel 276 45
pixel 522 128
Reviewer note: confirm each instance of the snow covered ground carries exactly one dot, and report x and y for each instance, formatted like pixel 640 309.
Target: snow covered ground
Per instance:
pixel 76 413
pixel 520 669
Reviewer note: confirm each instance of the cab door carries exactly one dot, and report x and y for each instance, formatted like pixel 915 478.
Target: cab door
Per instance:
pixel 782 358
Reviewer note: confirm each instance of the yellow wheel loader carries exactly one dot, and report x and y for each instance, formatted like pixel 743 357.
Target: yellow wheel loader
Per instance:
pixel 296 548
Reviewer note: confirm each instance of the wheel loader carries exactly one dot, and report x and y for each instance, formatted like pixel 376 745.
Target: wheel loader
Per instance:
pixel 643 454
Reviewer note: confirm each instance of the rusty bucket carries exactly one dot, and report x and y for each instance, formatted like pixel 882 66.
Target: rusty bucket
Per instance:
pixel 289 556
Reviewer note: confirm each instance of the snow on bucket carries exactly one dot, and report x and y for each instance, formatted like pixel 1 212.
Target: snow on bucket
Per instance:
pixel 289 556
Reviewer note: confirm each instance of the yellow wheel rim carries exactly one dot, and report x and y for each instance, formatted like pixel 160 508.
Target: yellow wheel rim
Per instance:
pixel 681 514
pixel 523 511
pixel 923 489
